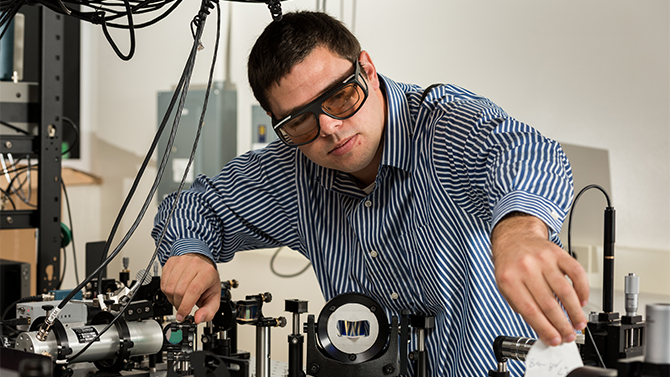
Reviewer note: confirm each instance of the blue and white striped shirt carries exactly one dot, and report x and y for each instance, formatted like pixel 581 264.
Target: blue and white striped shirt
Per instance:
pixel 452 166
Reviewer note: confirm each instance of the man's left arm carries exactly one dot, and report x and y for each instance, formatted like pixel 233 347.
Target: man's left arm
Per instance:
pixel 530 270
pixel 508 168
pixel 529 190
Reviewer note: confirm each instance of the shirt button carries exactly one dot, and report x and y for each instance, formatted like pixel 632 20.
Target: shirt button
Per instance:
pixel 373 254
pixel 394 296
pixel 368 203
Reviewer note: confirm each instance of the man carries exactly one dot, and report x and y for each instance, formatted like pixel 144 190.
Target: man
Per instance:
pixel 410 196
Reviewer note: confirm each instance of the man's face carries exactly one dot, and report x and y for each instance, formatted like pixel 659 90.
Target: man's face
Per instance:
pixel 351 145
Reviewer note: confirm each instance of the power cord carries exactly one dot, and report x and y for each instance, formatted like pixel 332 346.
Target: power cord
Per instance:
pixel 287 276
pixel 99 12
pixel 595 347
pixel 183 87
pixel 574 204
pixel 609 209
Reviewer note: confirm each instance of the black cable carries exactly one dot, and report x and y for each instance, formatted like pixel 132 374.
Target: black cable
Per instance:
pixel 8 15
pixel 152 21
pixel 19 169
pixel 62 274
pixel 76 134
pixel 574 204
pixel 131 30
pixel 10 184
pixel 188 72
pixel 287 276
pixel 19 301
pixel 102 13
pixel 595 347
pixel 17 129
pixel 13 305
pixel 180 93
pixel 8 197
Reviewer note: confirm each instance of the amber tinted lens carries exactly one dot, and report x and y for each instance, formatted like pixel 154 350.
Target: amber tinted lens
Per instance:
pixel 344 102
pixel 301 129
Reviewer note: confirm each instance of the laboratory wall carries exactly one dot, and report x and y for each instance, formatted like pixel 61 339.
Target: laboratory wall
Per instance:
pixel 589 73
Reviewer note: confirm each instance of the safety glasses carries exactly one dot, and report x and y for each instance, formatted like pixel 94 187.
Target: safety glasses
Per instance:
pixel 341 102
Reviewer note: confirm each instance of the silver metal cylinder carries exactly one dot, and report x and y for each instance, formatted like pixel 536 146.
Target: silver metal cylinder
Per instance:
pixel 632 290
pixel 147 337
pixel 296 323
pixel 657 349
pixel 422 340
pixel 516 347
pixel 263 362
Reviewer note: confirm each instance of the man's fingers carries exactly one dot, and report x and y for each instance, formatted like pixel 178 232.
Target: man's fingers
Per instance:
pixel 170 280
pixel 543 294
pixel 523 297
pixel 528 308
pixel 186 280
pixel 188 294
pixel 571 295
pixel 198 290
pixel 577 275
pixel 208 304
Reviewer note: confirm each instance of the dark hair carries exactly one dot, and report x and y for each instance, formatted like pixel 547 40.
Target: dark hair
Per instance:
pixel 285 43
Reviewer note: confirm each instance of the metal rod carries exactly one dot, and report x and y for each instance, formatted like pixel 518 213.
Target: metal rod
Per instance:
pixel 263 361
pixel 608 262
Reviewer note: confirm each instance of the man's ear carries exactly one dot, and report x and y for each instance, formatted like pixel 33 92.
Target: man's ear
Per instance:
pixel 369 68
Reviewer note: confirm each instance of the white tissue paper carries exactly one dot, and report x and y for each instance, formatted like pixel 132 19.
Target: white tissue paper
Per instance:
pixel 545 361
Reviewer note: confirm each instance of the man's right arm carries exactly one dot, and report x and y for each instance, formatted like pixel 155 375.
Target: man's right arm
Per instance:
pixel 219 216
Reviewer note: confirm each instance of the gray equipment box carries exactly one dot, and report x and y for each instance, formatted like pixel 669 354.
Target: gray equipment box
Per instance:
pixel 218 141
pixel 73 314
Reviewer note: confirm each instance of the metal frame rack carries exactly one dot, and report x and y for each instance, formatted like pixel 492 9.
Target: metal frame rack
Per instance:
pixel 46 147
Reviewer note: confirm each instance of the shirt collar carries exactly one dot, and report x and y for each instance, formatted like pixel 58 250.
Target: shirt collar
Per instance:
pixel 399 125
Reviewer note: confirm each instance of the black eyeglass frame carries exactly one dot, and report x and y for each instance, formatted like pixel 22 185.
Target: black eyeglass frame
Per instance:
pixel 315 108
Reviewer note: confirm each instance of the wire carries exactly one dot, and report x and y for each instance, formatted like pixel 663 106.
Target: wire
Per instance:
pixel 574 204
pixel 183 86
pixel 595 347
pixel 17 129
pixel 8 15
pixel 98 12
pixel 17 170
pixel 19 301
pixel 180 93
pixel 287 276
pixel 6 197
pixel 131 28
pixel 62 274
pixel 13 305
pixel 76 134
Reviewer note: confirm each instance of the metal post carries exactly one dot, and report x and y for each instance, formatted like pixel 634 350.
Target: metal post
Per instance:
pixel 50 139
pixel 263 362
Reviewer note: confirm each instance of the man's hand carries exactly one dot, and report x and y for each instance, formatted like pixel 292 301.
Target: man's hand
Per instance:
pixel 192 279
pixel 530 270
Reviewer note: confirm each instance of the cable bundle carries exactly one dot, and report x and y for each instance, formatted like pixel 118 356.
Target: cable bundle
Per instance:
pixel 107 13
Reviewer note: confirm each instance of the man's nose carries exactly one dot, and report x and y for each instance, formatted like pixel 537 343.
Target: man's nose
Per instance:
pixel 328 125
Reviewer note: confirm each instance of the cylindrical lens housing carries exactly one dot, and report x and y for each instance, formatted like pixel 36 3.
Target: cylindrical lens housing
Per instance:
pixel 657 348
